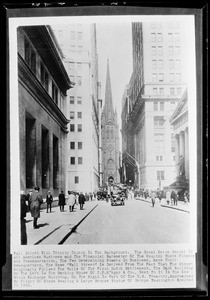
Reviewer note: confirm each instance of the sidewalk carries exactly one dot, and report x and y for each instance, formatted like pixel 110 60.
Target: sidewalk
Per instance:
pixel 52 227
pixel 180 205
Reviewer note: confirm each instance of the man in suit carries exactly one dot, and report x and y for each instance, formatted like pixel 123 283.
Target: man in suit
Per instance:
pixel 35 203
pixel 49 200
pixel 81 200
pixel 61 201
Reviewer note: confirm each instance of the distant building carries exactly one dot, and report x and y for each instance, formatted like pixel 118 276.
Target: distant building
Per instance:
pixel 110 136
pixel 42 85
pixel 78 43
pixel 157 83
pixel 179 120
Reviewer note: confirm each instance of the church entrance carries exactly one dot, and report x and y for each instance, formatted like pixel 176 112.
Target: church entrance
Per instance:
pixel 110 179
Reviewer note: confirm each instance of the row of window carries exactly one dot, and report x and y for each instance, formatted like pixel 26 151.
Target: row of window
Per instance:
pixel 73 66
pixel 171 37
pixel 159 106
pixel 79 127
pixel 31 60
pixel 172 50
pixel 160 157
pixel 72 115
pixel 76 35
pixel 173 64
pixel 73 160
pixel 159 77
pixel 72 100
pixel 173 91
pixel 73 144
pixel 159 143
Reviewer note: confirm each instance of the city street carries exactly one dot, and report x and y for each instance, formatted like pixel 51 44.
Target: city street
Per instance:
pixel 100 223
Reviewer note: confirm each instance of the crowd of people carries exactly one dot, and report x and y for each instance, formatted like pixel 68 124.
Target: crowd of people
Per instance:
pixel 171 196
pixel 32 201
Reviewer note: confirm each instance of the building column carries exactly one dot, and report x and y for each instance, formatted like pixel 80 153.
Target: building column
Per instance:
pixel 182 145
pixel 177 153
pixel 186 153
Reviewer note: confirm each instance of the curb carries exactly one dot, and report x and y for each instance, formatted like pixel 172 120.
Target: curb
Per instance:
pixel 165 205
pixel 175 208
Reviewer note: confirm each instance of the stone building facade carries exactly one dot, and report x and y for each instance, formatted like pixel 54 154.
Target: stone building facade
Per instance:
pixel 110 136
pixel 78 43
pixel 179 121
pixel 157 83
pixel 42 86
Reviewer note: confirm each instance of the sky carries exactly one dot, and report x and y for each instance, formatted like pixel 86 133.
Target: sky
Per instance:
pixel 114 42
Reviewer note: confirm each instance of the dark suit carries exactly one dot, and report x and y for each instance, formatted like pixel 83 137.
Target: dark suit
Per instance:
pixel 81 200
pixel 35 203
pixel 61 201
pixel 49 200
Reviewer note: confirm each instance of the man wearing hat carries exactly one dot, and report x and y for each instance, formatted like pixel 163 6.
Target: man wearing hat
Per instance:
pixel 49 200
pixel 35 203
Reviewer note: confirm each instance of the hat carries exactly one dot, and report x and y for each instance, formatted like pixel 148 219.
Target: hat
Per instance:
pixel 49 192
pixel 36 188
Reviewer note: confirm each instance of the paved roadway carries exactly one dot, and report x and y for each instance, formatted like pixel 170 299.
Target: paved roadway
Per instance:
pixel 136 222
pixel 101 223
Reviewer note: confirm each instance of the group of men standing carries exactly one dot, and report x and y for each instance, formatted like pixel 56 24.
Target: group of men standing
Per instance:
pixel 32 203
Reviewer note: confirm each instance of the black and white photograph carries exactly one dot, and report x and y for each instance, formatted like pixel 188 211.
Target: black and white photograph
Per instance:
pixel 103 112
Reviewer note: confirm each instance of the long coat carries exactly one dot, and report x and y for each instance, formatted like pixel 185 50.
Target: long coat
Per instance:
pixel 61 198
pixel 71 200
pixel 81 199
pixel 35 203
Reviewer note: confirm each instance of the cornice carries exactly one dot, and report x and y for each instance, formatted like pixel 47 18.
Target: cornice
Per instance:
pixel 40 94
pixel 43 43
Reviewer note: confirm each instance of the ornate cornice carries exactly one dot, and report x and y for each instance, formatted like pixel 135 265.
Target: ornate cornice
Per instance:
pixel 38 92
pixel 46 48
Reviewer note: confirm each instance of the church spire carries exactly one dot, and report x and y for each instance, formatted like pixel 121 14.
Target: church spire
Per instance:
pixel 108 93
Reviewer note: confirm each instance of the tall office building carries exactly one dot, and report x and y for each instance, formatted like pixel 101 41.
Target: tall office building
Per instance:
pixel 42 92
pixel 110 136
pixel 78 43
pixel 157 83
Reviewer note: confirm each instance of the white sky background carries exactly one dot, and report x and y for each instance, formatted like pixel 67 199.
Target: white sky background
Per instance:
pixel 114 42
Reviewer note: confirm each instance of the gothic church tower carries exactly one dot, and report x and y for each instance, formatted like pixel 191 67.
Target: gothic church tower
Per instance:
pixel 110 136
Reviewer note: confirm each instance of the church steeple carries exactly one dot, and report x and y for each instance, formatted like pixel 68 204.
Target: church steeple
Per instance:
pixel 108 109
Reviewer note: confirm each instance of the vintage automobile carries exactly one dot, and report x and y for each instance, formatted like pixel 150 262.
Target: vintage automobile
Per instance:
pixel 118 198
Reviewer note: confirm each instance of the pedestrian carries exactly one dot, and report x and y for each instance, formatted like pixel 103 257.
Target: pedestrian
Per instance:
pixel 86 196
pixel 49 200
pixel 35 203
pixel 159 195
pixel 81 200
pixel 168 196
pixel 153 196
pixel 175 197
pixel 23 211
pixel 61 201
pixel 91 196
pixel 70 200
